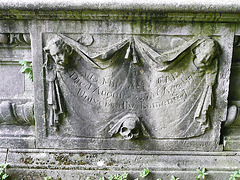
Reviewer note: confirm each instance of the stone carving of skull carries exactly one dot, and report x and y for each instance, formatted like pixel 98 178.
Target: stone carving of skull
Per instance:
pixel 130 127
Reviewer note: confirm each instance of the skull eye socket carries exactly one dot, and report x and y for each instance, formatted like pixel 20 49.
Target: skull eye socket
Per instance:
pixel 124 129
pixel 134 131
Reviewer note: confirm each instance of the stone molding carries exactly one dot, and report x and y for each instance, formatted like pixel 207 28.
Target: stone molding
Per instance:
pixel 181 11
pixel 37 163
pixel 195 6
pixel 158 16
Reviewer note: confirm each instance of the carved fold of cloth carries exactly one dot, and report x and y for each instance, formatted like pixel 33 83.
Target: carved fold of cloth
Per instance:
pixel 135 49
pixel 191 109
pixel 194 74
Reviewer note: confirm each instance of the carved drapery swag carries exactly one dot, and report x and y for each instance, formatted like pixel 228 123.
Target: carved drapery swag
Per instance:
pixel 170 92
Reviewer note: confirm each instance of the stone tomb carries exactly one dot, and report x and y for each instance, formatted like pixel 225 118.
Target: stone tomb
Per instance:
pixel 112 85
pixel 151 86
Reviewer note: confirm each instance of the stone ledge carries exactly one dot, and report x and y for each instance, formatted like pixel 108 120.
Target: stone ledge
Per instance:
pixel 40 174
pixel 225 6
pixel 114 159
pixel 79 164
pixel 177 11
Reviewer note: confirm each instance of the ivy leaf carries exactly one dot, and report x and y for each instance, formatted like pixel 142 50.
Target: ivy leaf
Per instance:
pixel 5 176
pixel 144 173
pixel 27 68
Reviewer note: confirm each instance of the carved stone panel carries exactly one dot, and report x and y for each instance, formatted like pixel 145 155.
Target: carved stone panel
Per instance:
pixel 16 92
pixel 133 91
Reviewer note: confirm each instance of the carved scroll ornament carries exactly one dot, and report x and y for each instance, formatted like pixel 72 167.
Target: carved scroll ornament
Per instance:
pixel 18 39
pixel 16 114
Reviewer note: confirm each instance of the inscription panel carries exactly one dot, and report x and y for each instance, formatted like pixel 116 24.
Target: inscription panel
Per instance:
pixel 131 87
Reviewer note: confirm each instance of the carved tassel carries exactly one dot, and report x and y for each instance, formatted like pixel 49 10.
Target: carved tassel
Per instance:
pixel 51 117
pixel 128 51
pixel 135 58
pixel 59 109
pixel 50 103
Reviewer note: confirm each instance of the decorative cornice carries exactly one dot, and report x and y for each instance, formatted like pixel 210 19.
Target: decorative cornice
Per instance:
pixel 194 11
pixel 118 16
pixel 223 6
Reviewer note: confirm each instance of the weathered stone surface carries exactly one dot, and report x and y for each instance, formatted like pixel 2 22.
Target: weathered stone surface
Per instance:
pixel 123 90
pixel 16 90
pixel 129 85
pixel 173 6
pixel 95 85
pixel 92 175
pixel 231 133
pixel 95 164
pixel 3 155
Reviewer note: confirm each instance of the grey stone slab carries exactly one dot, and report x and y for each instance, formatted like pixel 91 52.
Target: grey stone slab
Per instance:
pixel 95 164
pixel 13 83
pixel 39 174
pixel 135 160
pixel 3 155
pixel 18 142
pixel 95 93
pixel 16 96
pixel 195 6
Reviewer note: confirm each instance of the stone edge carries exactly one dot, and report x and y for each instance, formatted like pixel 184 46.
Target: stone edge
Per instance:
pixel 224 6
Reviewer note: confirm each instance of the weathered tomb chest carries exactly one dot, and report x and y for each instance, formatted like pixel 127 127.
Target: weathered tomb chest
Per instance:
pixel 96 77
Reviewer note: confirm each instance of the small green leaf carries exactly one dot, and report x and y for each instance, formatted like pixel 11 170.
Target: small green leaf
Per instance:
pixel 22 62
pixel 111 177
pixel 22 70
pixel 27 68
pixel 144 173
pixel 124 176
pixel 5 165
pixel 4 176
pixel 198 170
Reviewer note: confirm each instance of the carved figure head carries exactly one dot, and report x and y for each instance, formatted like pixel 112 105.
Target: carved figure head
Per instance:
pixel 59 51
pixel 205 51
pixel 130 127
